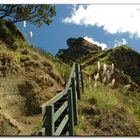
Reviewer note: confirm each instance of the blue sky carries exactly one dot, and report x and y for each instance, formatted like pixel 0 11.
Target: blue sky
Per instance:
pixel 99 24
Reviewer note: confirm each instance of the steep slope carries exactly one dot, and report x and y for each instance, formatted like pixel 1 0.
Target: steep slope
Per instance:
pixel 111 102
pixel 108 112
pixel 28 79
pixel 124 59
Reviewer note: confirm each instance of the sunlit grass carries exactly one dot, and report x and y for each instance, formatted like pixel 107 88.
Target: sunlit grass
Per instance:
pixel 105 96
pixel 112 110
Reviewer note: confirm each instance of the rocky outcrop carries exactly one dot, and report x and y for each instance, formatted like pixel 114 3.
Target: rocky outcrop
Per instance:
pixel 77 50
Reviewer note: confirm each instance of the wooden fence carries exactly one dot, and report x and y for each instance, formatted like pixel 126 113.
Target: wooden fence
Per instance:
pixel 60 113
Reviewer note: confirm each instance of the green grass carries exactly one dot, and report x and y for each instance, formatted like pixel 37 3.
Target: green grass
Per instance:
pixel 22 44
pixel 9 32
pixel 106 111
pixel 64 69
pixel 105 97
pixel 20 56
pixel 90 69
pixel 37 129
pixel 132 101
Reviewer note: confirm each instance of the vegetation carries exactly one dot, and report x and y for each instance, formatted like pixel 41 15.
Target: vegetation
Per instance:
pixel 28 79
pixel 111 101
pixel 34 14
pixel 105 111
pixel 15 38
pixel 110 104
pixel 63 68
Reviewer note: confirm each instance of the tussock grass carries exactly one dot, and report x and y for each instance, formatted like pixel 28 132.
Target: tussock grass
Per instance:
pixel 105 111
pixel 132 101
pixel 105 96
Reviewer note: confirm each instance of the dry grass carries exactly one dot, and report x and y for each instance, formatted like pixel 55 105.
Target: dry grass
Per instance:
pixel 31 79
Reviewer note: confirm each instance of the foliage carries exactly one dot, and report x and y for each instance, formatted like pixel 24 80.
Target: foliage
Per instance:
pixel 103 111
pixel 127 60
pixel 34 14
pixel 36 130
pixel 131 99
pixel 63 68
pixel 21 56
pixel 104 96
pixel 75 45
pixel 9 33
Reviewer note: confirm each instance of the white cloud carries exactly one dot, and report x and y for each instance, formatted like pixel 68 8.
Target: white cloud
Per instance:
pixel 89 39
pixel 102 45
pixel 113 18
pixel 119 43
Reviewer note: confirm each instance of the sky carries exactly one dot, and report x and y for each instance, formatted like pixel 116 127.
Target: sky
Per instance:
pixel 105 25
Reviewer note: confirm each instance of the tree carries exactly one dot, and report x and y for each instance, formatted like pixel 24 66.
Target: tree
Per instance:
pixel 34 14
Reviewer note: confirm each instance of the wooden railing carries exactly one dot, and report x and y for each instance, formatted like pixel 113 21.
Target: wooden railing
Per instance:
pixel 60 113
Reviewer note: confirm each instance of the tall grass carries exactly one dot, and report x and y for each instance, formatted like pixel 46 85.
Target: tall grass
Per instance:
pixel 104 96
pixel 131 100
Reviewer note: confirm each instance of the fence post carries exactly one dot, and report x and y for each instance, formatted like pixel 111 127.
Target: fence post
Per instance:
pixel 82 80
pixel 70 112
pixel 49 128
pixel 77 80
pixel 44 121
pixel 74 88
pixel 65 79
pixel 74 100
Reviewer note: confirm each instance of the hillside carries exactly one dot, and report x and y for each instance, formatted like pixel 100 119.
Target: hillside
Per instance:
pixel 28 79
pixel 112 107
pixel 88 55
pixel 104 111
pixel 110 104
pixel 124 59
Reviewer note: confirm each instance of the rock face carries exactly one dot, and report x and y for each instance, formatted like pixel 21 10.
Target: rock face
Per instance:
pixel 77 50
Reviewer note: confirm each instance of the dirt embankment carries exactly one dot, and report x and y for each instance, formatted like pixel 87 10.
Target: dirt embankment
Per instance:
pixel 27 80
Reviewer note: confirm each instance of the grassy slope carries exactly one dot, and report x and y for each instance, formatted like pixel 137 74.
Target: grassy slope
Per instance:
pixel 105 111
pixel 102 111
